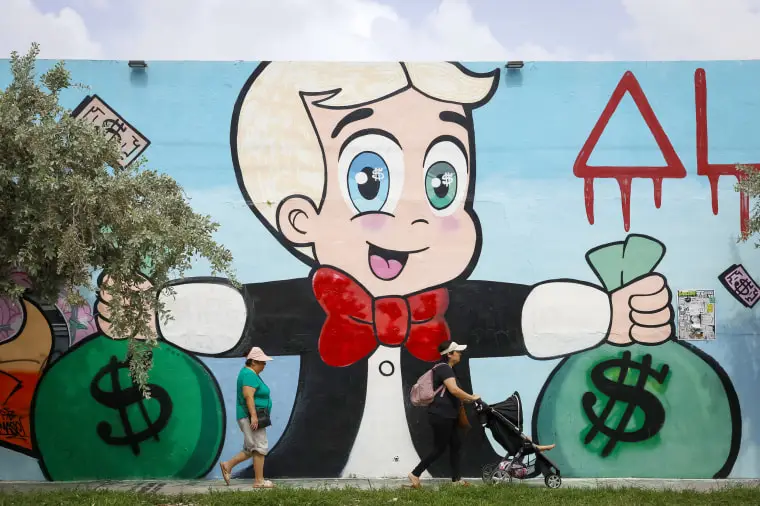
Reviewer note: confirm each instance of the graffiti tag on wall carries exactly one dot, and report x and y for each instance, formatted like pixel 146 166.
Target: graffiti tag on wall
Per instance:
pixel 673 167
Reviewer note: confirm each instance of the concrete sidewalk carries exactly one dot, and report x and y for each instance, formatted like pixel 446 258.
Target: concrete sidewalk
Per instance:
pixel 176 487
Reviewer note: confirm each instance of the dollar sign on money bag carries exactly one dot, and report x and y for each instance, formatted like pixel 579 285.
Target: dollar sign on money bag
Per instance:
pixel 664 411
pixel 90 421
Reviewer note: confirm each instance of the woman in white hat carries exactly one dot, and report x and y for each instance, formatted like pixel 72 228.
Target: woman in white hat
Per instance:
pixel 443 414
pixel 254 405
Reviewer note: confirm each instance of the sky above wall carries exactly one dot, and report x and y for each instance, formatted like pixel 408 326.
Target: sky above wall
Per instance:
pixel 383 29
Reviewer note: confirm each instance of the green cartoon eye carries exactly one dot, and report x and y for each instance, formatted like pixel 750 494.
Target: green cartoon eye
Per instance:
pixel 441 185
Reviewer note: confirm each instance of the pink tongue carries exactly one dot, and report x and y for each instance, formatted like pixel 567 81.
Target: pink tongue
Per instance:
pixel 384 269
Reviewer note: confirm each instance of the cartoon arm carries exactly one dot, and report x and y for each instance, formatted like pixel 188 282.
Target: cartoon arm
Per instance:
pixel 557 318
pixel 209 316
pixel 544 321
pixel 563 317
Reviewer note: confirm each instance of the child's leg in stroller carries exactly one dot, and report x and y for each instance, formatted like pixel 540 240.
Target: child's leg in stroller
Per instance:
pixel 442 428
pixel 541 448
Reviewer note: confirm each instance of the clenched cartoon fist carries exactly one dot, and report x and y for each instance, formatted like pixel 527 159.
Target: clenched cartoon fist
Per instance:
pixel 641 312
pixel 102 310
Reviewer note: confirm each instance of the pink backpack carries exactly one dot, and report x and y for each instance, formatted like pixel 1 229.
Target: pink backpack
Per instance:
pixel 423 393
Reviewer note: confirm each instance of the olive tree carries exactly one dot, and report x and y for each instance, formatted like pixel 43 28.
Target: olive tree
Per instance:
pixel 68 209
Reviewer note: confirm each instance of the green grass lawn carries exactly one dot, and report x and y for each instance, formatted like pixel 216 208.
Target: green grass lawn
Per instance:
pixel 516 495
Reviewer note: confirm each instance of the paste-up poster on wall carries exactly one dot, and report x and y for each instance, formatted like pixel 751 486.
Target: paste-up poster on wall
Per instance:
pixel 696 315
pixel 95 110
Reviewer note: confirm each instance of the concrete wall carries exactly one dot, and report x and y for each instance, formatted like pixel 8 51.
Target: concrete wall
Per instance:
pixel 559 265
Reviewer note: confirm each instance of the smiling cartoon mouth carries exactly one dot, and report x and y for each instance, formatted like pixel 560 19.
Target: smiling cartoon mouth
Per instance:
pixel 387 264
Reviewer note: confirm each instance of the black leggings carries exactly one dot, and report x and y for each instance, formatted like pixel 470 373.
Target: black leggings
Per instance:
pixel 445 434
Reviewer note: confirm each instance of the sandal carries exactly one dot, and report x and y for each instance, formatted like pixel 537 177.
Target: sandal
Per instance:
pixel 415 481
pixel 225 474
pixel 264 484
pixel 461 483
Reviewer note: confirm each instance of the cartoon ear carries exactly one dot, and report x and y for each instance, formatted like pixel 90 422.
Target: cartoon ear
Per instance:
pixel 296 219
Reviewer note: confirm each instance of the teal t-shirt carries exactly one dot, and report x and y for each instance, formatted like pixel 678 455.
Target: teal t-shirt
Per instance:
pixel 261 398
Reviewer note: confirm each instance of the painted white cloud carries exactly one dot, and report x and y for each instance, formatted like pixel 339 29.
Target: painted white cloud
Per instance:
pixel 60 34
pixel 694 29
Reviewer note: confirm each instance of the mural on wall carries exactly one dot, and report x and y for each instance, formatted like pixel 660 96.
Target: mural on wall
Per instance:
pixel 673 167
pixel 621 412
pixel 114 433
pixel 28 344
pixel 740 284
pixel 23 358
pixel 80 320
pixel 713 171
pixel 95 110
pixel 366 174
pixel 381 165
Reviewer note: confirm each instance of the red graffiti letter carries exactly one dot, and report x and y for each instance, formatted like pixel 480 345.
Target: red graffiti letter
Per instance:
pixel 713 171
pixel 673 166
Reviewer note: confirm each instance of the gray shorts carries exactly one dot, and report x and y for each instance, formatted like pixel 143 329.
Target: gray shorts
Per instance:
pixel 253 440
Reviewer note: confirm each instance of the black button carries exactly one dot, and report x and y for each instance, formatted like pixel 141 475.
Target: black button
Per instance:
pixel 387 368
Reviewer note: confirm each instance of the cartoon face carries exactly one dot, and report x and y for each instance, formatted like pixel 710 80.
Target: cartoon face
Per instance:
pixel 393 214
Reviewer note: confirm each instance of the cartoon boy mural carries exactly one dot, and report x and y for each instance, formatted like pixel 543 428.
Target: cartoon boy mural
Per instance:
pixel 366 172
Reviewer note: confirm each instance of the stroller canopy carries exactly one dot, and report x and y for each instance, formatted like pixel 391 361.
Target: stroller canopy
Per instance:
pixel 511 409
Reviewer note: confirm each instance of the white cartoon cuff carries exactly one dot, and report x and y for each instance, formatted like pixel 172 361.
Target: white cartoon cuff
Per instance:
pixel 206 318
pixel 564 317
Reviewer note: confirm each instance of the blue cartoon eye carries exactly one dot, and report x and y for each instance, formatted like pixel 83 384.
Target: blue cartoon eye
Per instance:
pixel 368 182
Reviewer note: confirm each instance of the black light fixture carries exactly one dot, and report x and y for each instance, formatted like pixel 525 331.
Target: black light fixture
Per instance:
pixel 514 65
pixel 137 64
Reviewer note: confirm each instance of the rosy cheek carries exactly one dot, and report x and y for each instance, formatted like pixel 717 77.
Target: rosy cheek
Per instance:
pixel 450 224
pixel 374 221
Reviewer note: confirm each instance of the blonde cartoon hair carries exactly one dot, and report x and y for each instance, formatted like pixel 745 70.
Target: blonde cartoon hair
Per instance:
pixel 275 148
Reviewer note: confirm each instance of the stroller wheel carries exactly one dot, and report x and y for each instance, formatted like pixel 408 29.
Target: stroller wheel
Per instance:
pixel 487 474
pixel 553 480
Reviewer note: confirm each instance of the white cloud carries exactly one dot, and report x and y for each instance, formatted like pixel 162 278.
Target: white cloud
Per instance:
pixel 255 30
pixel 355 30
pixel 245 30
pixel 61 35
pixel 694 29
pixel 308 30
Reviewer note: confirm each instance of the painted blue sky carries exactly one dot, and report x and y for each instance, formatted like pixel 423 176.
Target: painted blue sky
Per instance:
pixel 384 29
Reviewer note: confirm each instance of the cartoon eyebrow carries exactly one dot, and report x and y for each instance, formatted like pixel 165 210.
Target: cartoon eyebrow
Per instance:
pixel 356 115
pixel 453 117
pixel 369 131
pixel 451 139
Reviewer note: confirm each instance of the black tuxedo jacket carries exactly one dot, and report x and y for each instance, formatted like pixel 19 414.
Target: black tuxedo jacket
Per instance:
pixel 284 318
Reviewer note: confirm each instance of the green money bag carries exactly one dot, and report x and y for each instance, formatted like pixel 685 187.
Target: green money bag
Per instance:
pixel 91 422
pixel 665 411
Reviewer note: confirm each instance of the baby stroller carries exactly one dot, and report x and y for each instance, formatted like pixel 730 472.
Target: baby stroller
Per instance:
pixel 522 460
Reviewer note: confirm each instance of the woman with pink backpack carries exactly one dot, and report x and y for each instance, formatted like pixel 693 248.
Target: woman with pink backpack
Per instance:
pixel 438 390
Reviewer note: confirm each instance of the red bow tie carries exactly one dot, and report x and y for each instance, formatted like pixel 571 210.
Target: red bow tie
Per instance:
pixel 350 331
